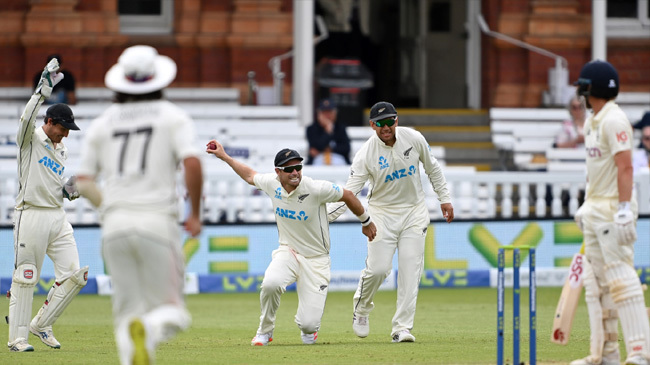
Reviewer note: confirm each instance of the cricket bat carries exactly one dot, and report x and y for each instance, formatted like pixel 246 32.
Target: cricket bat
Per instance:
pixel 566 306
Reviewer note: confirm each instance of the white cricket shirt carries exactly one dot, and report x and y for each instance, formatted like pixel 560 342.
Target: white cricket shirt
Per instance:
pixel 394 172
pixel 606 134
pixel 301 215
pixel 40 165
pixel 136 149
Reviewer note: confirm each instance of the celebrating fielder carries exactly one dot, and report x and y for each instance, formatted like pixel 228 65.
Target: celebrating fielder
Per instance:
pixel 40 224
pixel 608 220
pixel 136 146
pixel 391 161
pixel 303 255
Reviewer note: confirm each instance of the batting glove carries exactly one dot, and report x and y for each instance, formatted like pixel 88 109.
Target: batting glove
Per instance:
pixel 578 218
pixel 625 227
pixel 49 78
pixel 70 191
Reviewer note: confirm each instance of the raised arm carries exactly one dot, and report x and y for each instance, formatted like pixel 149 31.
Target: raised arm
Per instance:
pixel 194 185
pixel 49 78
pixel 243 170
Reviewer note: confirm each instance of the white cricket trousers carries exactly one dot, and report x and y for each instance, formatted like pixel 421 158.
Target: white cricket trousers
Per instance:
pixel 613 264
pixel 403 230
pixel 142 253
pixel 39 231
pixel 312 278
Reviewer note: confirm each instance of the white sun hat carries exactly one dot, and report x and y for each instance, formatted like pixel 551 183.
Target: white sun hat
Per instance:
pixel 140 70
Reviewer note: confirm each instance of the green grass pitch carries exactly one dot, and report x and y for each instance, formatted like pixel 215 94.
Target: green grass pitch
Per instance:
pixel 452 326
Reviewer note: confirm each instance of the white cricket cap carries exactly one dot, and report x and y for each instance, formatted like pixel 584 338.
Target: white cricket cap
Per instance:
pixel 140 70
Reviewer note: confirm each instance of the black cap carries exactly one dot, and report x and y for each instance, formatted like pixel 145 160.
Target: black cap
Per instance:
pixel 382 110
pixel 285 156
pixel 644 122
pixel 62 114
pixel 327 104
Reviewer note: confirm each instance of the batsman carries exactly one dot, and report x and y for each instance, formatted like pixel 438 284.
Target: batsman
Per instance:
pixel 40 224
pixel 608 219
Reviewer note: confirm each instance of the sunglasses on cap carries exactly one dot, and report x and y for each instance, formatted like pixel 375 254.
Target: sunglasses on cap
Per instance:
pixel 290 169
pixel 388 121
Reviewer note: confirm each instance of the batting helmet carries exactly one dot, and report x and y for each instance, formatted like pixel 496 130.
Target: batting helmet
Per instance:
pixel 598 78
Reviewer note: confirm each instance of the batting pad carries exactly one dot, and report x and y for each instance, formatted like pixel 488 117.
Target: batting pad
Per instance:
pixel 626 291
pixel 59 297
pixel 20 302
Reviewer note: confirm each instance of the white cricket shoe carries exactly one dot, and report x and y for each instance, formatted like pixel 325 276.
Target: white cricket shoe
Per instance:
pixel 403 336
pixel 138 336
pixel 609 359
pixel 45 335
pixel 262 339
pixel 636 360
pixel 309 338
pixel 20 345
pixel 361 326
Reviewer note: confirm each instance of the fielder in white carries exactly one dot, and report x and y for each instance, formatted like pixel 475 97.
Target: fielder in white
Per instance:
pixel 303 256
pixel 40 224
pixel 608 220
pixel 135 147
pixel 390 161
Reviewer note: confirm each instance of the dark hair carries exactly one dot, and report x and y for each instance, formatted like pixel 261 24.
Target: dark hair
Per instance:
pixel 122 98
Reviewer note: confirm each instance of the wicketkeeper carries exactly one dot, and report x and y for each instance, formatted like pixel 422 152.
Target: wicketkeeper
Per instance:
pixel 40 224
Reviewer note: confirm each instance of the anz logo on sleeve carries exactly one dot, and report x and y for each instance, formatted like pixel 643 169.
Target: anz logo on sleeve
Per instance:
pixel 291 214
pixel 398 174
pixel 52 165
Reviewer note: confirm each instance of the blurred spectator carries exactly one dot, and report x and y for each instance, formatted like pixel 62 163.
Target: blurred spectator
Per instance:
pixel 64 91
pixel 571 135
pixel 641 156
pixel 328 140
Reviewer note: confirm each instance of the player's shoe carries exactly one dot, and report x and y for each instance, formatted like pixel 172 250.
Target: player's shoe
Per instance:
pixel 45 335
pixel 610 359
pixel 636 360
pixel 309 338
pixel 20 345
pixel 403 336
pixel 138 336
pixel 361 326
pixel 262 339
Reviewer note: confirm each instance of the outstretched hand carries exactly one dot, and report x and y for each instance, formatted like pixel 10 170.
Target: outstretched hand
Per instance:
pixel 216 149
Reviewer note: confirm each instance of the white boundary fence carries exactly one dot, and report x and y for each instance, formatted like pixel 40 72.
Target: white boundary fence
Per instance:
pixel 475 195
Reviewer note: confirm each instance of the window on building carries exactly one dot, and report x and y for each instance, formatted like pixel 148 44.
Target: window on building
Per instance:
pixel 146 16
pixel 628 19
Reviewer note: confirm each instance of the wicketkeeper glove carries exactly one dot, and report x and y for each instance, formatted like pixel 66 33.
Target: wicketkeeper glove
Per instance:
pixel 49 78
pixel 578 217
pixel 70 191
pixel 625 227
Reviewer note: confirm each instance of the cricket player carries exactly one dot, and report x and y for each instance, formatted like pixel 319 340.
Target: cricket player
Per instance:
pixel 40 224
pixel 303 255
pixel 390 160
pixel 135 147
pixel 608 218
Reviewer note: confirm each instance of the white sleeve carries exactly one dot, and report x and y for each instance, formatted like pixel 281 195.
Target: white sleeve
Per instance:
pixel 358 176
pixel 433 171
pixel 89 157
pixel 183 138
pixel 27 120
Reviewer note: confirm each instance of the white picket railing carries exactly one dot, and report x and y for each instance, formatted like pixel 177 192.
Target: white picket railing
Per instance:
pixel 475 195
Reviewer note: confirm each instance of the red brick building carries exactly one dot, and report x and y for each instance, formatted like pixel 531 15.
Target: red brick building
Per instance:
pixel 216 42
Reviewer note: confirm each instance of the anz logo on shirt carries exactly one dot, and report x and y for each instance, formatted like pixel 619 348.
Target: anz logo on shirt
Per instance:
pixel 291 214
pixel 383 163
pixel 52 165
pixel 398 174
